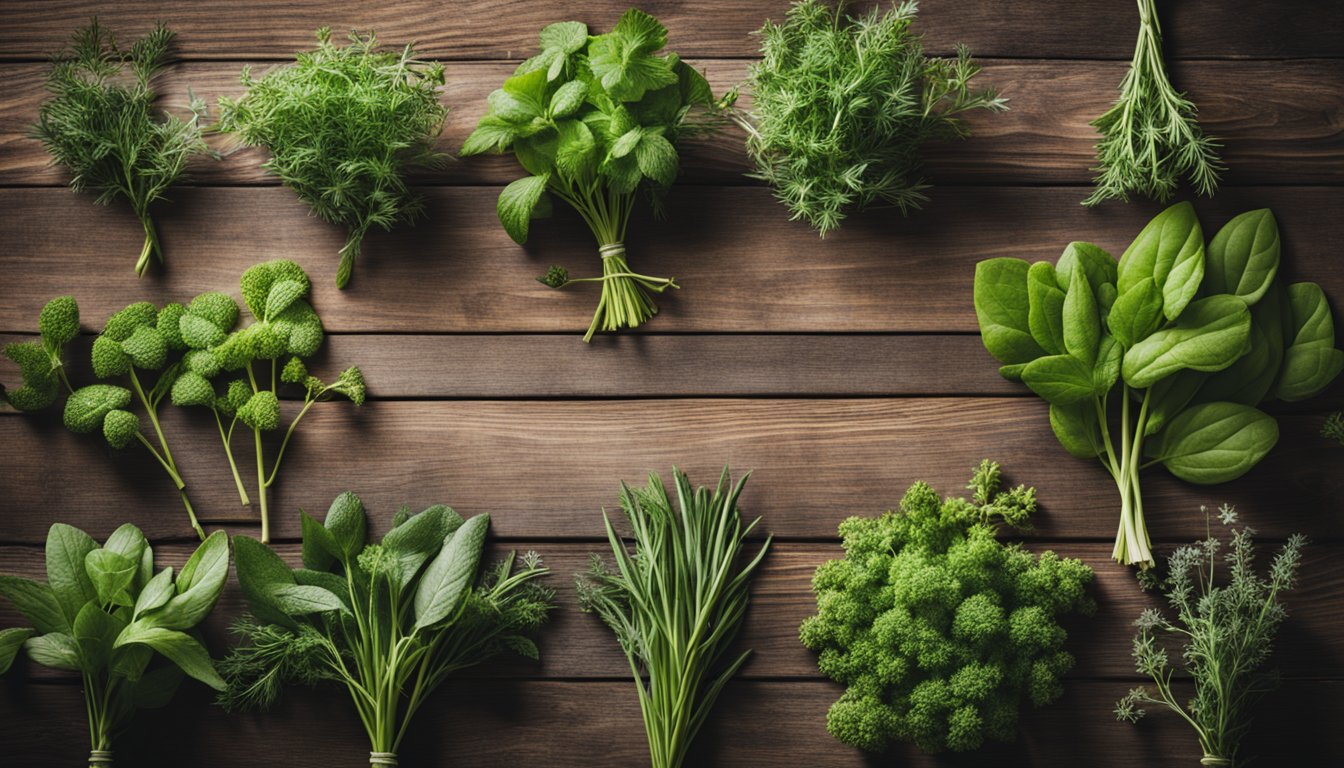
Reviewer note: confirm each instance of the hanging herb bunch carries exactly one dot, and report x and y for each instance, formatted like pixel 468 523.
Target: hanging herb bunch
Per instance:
pixel 1150 137
pixel 595 120
pixel 842 106
pixel 344 126
pixel 101 125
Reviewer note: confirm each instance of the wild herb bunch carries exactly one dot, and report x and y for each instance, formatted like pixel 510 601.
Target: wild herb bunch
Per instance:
pixel 676 603
pixel 130 632
pixel 1333 428
pixel 843 104
pixel 1150 137
pixel 344 126
pixel 594 120
pixel 390 620
pixel 100 124
pixel 1223 633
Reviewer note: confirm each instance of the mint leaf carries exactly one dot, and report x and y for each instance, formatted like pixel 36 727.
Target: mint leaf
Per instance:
pixel 516 204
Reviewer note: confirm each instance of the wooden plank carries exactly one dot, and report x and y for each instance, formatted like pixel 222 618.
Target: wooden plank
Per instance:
pixel 742 266
pixel 1090 29
pixel 507 366
pixel 1284 135
pixel 544 469
pixel 597 724
pixel 575 645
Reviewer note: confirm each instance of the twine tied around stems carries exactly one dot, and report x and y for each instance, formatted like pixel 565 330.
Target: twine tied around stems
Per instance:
pixel 1215 760
pixel 612 249
pixel 99 758
pixel 383 758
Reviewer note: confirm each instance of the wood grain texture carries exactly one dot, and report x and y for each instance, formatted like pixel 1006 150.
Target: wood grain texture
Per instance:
pixel 742 265
pixel 494 29
pixel 578 724
pixel 545 468
pixel 1280 122
pixel 575 645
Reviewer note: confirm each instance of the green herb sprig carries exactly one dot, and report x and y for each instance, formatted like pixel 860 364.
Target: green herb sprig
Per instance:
pixel 391 621
pixel 128 631
pixel 939 631
pixel 101 125
pixel 344 126
pixel 1150 137
pixel 1333 428
pixel 594 120
pixel 1162 357
pixel 676 604
pixel 842 106
pixel 1223 633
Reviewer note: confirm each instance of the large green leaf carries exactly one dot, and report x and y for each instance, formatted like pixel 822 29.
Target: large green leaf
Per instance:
pixel 1209 336
pixel 576 153
pixel 11 640
pixel 156 593
pixel 260 571
pixel 95 630
pixel 348 524
pixel 1310 361
pixel 656 158
pixel 204 574
pixel 37 602
pixel 1136 313
pixel 567 99
pixel 1077 429
pixel 1243 257
pixel 1003 308
pixel 1169 397
pixel 302 599
pixel 449 577
pixel 56 650
pixel 1214 443
pixel 67 547
pixel 178 647
pixel 517 202
pixel 622 59
pixel 1045 315
pixel 415 540
pixel 1060 379
pixel 1251 378
pixel 1082 324
pixel 1099 266
pixel 320 550
pixel 112 574
pixel 1170 252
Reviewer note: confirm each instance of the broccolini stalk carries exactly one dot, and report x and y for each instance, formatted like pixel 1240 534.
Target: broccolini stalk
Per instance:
pixel 594 120
pixel 103 129
pixel 687 555
pixel 391 621
pixel 1226 633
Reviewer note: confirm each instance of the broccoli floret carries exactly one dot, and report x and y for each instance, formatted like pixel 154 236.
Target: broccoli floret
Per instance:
pixel 939 631
pixel 192 388
pixel 120 326
pixel 300 327
pixel 120 428
pixel 295 372
pixel 146 348
pixel 351 384
pixel 258 280
pixel 59 322
pixel 86 407
pixel 169 326
pixel 261 411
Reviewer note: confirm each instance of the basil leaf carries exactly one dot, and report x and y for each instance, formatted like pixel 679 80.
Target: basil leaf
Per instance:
pixel 1170 251
pixel 1243 258
pixel 180 648
pixel 567 99
pixel 656 158
pixel 448 578
pixel 11 640
pixel 1003 306
pixel 1082 326
pixel 1311 360
pixel 1045 315
pixel 1060 379
pixel 1214 443
pixel 37 602
pixel 56 650
pixel 67 547
pixel 1209 336
pixel 156 593
pixel 128 542
pixel 1136 313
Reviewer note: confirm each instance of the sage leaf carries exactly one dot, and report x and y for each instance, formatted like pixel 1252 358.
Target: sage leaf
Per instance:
pixel 414 541
pixel 1215 442
pixel 1209 336
pixel 178 647
pixel 300 600
pixel 320 550
pixel 260 571
pixel 348 524
pixel 66 549
pixel 448 578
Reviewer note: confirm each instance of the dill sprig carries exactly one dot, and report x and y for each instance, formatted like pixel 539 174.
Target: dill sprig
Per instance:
pixel 100 124
pixel 1150 137
pixel 842 106
pixel 1333 429
pixel 1225 627
pixel 344 125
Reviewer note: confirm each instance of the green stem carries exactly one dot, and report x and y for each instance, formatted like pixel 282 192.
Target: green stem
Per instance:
pixel 285 443
pixel 227 437
pixel 261 489
pixel 151 248
pixel 348 254
pixel 166 459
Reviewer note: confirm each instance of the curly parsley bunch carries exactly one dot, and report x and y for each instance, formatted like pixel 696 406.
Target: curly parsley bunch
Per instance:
pixel 843 104
pixel 939 631
pixel 344 125
pixel 594 120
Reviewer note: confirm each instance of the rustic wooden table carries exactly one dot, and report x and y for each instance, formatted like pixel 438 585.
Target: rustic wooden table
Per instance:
pixel 839 370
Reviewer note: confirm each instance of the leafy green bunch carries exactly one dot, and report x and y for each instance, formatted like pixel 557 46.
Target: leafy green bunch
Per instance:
pixel 105 613
pixel 676 604
pixel 594 120
pixel 390 620
pixel 262 355
pixel 843 104
pixel 1162 357
pixel 101 125
pixel 937 629
pixel 1150 137
pixel 1223 633
pixel 192 350
pixel 344 127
